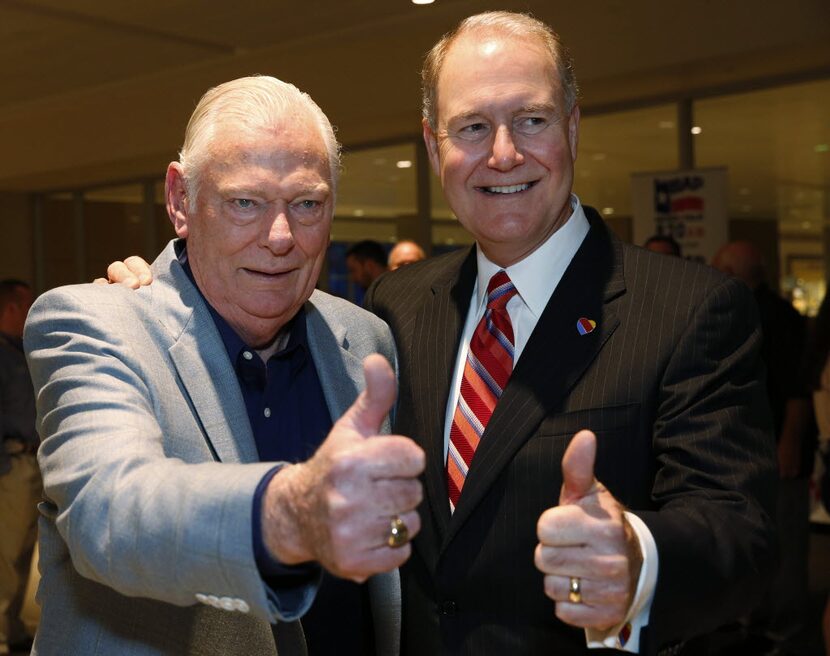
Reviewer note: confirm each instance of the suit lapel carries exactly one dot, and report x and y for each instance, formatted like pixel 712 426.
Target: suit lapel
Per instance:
pixel 339 371
pixel 553 360
pixel 438 331
pixel 202 362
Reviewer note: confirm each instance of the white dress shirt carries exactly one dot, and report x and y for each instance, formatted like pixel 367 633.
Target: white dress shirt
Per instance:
pixel 535 278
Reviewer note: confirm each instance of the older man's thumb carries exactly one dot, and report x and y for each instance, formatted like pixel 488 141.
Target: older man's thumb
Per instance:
pixel 371 407
pixel 578 467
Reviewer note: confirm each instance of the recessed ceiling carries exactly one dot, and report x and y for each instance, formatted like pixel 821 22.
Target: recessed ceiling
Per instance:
pixel 99 92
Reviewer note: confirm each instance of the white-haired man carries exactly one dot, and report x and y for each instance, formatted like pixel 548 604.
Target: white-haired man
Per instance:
pixel 194 481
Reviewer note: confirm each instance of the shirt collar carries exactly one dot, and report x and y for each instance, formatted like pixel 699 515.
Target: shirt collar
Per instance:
pixel 537 275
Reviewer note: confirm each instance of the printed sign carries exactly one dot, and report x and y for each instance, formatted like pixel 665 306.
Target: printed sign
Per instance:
pixel 689 206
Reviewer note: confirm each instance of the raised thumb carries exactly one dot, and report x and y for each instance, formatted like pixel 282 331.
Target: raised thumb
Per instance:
pixel 578 467
pixel 373 404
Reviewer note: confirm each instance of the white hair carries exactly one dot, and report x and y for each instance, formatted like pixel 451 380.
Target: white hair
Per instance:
pixel 254 102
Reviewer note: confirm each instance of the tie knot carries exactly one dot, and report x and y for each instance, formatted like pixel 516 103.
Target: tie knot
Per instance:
pixel 499 291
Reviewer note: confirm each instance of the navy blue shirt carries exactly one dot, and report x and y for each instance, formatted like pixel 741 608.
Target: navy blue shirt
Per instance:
pixel 290 419
pixel 284 398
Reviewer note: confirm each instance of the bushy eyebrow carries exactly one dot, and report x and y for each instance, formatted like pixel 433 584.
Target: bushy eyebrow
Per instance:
pixel 534 108
pixel 538 108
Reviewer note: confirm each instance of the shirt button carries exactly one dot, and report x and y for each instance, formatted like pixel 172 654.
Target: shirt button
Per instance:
pixel 267 412
pixel 247 355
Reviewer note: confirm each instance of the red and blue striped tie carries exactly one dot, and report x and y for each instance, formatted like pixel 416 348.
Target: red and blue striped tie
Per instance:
pixel 488 367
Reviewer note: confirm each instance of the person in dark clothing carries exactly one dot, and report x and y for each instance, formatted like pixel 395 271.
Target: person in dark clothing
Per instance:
pixel 780 617
pixel 365 260
pixel 20 484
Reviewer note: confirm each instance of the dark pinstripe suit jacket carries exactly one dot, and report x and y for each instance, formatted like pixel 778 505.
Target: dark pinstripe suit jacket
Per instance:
pixel 670 382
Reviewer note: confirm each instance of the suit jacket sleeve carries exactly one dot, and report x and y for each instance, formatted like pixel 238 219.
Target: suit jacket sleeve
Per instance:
pixel 715 480
pixel 131 482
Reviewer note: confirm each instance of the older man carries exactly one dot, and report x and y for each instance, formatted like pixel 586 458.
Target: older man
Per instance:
pixel 548 325
pixel 175 521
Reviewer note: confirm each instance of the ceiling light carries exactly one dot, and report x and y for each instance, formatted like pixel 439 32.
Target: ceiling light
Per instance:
pixel 607 211
pixel 358 213
pixel 697 129
pixel 665 125
pixel 422 2
pixel 404 164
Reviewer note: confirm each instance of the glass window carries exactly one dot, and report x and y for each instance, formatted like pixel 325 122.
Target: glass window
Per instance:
pixel 375 197
pixel 775 143
pixel 114 226
pixel 60 240
pixel 377 183
pixel 614 146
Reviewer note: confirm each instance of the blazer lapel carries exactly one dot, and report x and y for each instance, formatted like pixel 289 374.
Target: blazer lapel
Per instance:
pixel 553 360
pixel 202 362
pixel 339 371
pixel 437 334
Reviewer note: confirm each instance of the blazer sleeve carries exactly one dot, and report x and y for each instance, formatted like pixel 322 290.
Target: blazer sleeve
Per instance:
pixel 715 481
pixel 136 514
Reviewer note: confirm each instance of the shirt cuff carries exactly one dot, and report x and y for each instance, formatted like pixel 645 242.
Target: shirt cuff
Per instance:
pixel 626 635
pixel 290 589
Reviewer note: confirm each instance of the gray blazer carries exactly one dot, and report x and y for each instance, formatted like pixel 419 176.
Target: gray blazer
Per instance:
pixel 150 467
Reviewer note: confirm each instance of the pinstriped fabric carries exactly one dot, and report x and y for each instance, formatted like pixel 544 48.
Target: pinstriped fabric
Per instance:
pixel 668 381
pixel 488 367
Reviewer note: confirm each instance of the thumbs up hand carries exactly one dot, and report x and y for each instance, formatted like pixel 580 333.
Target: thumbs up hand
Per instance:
pixel 337 508
pixel 587 551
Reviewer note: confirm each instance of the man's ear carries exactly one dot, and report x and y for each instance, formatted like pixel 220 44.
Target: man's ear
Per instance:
pixel 573 130
pixel 175 192
pixel 431 142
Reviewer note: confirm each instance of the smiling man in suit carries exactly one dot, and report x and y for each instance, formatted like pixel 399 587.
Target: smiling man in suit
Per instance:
pixel 198 474
pixel 650 527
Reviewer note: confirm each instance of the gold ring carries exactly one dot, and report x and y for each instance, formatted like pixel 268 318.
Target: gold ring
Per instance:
pixel 398 533
pixel 575 591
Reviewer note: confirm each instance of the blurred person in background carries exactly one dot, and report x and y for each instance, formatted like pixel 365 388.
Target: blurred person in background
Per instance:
pixel 20 484
pixel 663 244
pixel 780 619
pixel 819 377
pixel 405 252
pixel 365 262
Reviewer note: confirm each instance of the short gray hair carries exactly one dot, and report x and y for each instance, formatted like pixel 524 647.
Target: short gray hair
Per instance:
pixel 498 22
pixel 251 102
